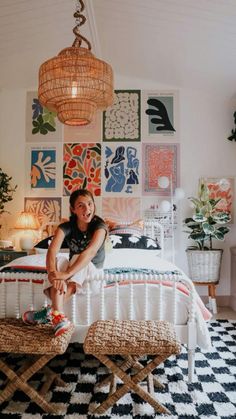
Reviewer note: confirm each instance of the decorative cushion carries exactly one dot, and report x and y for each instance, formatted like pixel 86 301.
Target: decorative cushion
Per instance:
pixel 42 246
pixel 136 227
pixel 133 241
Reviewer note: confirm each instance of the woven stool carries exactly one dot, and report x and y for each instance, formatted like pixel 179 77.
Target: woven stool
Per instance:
pixel 131 340
pixel 39 341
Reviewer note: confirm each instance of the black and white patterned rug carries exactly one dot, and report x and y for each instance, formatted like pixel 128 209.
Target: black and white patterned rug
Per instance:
pixel 212 395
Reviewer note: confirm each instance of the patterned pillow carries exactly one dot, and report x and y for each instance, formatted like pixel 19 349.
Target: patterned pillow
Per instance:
pixel 136 227
pixel 133 241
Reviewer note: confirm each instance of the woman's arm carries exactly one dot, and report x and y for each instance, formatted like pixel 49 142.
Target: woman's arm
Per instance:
pixel 53 250
pixel 86 256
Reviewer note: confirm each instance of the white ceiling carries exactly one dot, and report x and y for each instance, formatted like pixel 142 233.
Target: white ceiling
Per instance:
pixel 181 43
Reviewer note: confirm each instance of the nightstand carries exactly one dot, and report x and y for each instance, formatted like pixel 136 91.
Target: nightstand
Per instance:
pixel 7 256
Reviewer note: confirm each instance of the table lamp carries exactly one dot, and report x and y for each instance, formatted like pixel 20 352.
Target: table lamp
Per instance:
pixel 27 221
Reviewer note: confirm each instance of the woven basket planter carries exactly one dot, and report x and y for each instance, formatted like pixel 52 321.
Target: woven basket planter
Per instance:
pixel 204 265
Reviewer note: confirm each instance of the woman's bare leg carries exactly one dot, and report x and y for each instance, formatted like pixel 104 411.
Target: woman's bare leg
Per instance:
pixel 59 298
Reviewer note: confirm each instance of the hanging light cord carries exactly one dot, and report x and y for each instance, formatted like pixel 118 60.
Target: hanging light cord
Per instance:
pixel 80 20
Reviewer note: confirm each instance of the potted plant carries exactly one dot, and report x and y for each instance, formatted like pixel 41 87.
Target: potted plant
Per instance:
pixel 6 190
pixel 206 226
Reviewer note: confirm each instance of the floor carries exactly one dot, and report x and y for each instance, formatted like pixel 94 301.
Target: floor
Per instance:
pixel 225 313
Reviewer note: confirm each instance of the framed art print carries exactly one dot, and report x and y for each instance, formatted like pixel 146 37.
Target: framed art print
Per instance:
pixel 160 116
pixel 222 188
pixel 82 167
pixel 126 209
pixel 47 209
pixel 160 160
pixel 41 124
pixel 121 121
pixel 43 162
pixel 121 171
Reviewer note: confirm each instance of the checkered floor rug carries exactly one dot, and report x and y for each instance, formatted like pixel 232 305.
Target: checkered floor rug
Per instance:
pixel 213 395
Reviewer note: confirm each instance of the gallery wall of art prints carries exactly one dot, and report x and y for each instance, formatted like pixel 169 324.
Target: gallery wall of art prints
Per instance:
pixel 118 157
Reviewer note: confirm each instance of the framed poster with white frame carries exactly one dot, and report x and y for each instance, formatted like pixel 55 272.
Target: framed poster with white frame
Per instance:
pixel 160 116
pixel 43 170
pixel 223 188
pixel 121 170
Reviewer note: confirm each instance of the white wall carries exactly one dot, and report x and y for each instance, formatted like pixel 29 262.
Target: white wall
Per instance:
pixel 206 120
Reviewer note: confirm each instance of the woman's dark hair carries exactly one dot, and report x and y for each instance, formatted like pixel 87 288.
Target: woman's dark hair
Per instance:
pixel 76 194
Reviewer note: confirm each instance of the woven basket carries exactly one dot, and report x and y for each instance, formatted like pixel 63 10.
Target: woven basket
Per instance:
pixel 204 265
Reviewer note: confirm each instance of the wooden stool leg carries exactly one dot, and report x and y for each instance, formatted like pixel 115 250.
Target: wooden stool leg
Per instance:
pixel 20 382
pixel 212 294
pixel 130 383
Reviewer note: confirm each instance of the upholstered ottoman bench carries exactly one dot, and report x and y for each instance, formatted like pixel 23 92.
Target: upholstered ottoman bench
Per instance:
pixel 39 345
pixel 131 340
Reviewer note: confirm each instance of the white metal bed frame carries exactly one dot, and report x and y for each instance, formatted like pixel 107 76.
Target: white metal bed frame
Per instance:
pixel 33 282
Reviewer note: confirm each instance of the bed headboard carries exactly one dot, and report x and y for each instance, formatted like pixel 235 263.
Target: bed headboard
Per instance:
pixel 152 228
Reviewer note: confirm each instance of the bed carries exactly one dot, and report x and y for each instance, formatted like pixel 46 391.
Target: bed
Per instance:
pixel 137 283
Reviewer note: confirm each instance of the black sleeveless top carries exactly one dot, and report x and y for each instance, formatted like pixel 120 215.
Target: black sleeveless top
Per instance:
pixel 78 240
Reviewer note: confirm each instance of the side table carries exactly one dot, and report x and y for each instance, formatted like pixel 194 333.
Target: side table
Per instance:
pixel 211 293
pixel 7 256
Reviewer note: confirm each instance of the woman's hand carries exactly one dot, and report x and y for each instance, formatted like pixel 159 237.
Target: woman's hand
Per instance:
pixel 60 285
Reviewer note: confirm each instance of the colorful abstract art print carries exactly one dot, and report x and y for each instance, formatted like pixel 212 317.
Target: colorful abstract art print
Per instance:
pixel 42 162
pixel 87 133
pixel 117 209
pixel 160 160
pixel 121 121
pixel 46 209
pixel 121 171
pixel 41 124
pixel 160 116
pixel 82 167
pixel 222 188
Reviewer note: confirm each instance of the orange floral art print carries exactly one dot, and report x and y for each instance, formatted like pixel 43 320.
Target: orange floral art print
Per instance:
pixel 222 188
pixel 82 167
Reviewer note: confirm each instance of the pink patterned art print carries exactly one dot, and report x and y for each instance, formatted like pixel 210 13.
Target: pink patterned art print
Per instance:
pixel 82 167
pixel 160 160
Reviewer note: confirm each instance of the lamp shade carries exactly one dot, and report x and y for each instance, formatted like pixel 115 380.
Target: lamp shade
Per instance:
pixel 75 83
pixel 26 221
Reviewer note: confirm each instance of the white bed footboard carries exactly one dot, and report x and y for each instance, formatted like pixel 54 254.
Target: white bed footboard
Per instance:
pixel 119 296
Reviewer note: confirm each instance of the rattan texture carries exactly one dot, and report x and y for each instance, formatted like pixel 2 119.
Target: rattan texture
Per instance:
pixel 75 84
pixel 16 337
pixel 137 337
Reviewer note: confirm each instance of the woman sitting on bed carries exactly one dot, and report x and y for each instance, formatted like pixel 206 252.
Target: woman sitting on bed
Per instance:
pixel 85 234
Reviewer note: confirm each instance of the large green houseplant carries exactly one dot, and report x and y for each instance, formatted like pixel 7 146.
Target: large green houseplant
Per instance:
pixel 6 190
pixel 206 226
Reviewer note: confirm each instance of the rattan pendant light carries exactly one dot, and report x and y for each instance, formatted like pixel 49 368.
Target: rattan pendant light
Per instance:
pixel 76 83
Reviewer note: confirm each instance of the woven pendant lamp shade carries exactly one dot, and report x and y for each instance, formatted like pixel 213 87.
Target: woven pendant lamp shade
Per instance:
pixel 75 83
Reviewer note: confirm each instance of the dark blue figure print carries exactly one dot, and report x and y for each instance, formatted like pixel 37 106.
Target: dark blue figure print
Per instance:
pixel 117 179
pixel 133 178
pixel 119 156
pixel 133 162
pixel 160 115
pixel 232 137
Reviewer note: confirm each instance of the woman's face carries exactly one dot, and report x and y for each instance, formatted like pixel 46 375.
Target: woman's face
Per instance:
pixel 84 209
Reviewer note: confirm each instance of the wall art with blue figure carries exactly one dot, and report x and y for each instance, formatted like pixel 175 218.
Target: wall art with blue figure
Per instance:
pixel 121 170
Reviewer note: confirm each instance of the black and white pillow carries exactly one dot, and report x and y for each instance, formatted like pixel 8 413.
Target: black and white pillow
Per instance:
pixel 133 241
pixel 42 246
